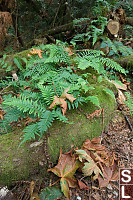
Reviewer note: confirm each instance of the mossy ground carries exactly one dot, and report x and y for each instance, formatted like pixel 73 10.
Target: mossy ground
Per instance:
pixel 67 135
pixel 19 164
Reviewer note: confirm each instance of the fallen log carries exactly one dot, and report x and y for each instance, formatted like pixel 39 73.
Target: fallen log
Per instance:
pixel 126 62
pixel 129 21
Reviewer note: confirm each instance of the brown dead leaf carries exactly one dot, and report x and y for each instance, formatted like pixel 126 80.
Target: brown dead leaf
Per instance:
pixel 83 185
pixel 61 102
pixel 65 169
pixel 118 86
pixel 69 50
pixel 36 51
pixel 93 145
pixel 124 80
pixel 96 113
pixel 1 114
pixel 65 95
pixel 110 173
pixel 121 97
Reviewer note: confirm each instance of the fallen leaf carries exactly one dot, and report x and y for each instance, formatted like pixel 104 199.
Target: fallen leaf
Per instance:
pixel 65 95
pixel 119 86
pixel 36 51
pixel 1 114
pixel 124 80
pixel 110 173
pixel 90 166
pixel 121 97
pixel 65 169
pixel 83 185
pixel 93 145
pixel 61 102
pixel 69 50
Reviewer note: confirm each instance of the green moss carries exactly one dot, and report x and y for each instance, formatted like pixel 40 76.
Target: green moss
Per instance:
pixel 16 164
pixel 66 135
pixel 19 164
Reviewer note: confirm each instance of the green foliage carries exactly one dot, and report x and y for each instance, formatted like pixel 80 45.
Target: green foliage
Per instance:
pixel 116 48
pixel 129 102
pixel 95 59
pixel 50 193
pixel 93 31
pixel 42 79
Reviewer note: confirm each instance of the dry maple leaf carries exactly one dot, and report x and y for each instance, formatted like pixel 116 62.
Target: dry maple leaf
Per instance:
pixel 65 95
pixel 83 185
pixel 110 173
pixel 36 51
pixel 69 50
pixel 59 101
pixel 90 166
pixel 65 169
pixel 94 144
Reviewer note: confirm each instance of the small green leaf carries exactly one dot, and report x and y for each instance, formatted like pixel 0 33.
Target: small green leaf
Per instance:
pixel 100 78
pixel 18 63
pixel 50 193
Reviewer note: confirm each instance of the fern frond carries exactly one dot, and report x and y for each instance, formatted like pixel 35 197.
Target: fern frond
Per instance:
pixel 94 100
pixel 112 65
pixel 58 115
pixel 25 104
pixel 129 102
pixel 45 122
pixel 110 92
pixel 30 132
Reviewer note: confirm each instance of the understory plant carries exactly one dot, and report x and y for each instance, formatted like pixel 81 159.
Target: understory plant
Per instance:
pixel 49 84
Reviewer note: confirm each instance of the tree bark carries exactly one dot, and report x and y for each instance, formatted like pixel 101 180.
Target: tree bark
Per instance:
pixel 59 29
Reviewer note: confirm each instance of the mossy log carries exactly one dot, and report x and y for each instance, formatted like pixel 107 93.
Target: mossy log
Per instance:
pixel 129 21
pixel 10 63
pixel 126 62
pixel 30 160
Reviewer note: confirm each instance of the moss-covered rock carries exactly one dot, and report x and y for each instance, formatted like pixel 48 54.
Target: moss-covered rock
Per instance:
pixel 18 164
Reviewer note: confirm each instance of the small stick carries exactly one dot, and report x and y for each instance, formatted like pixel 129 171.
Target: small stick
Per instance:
pixel 55 89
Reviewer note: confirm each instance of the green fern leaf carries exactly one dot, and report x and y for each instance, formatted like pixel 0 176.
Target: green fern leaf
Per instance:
pixel 45 122
pixel 110 92
pixel 94 100
pixel 30 132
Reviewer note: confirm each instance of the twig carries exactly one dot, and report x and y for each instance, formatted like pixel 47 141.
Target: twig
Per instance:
pixel 114 186
pixel 54 182
pixel 57 12
pixel 6 87
pixel 55 90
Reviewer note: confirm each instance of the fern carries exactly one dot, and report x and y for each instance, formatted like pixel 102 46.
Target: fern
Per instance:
pixel 45 122
pixel 94 100
pixel 129 102
pixel 109 92
pixel 42 79
pixel 94 59
pixel 30 132
pixel 116 48
pixel 25 104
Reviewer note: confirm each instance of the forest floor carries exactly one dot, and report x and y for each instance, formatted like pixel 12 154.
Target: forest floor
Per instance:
pixel 118 139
